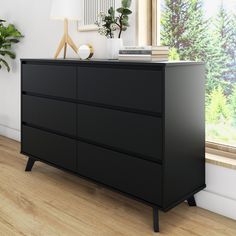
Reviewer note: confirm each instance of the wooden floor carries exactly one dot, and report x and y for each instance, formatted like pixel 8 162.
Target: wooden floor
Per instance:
pixel 51 202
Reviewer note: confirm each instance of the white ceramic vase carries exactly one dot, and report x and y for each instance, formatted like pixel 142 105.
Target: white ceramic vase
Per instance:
pixel 113 47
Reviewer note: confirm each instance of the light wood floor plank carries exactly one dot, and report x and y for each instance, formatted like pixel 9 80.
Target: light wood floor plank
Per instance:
pixel 48 202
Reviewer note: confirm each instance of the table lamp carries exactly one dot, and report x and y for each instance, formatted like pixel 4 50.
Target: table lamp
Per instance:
pixel 66 10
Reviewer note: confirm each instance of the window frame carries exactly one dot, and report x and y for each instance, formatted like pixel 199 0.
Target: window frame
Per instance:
pixel 149 21
pixel 221 149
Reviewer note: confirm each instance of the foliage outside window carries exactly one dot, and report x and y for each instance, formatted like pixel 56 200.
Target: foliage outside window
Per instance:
pixel 205 30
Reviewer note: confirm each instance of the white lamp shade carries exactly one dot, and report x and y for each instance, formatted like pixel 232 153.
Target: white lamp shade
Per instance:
pixel 66 9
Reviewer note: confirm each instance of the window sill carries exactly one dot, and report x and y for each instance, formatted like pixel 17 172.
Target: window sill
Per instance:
pixel 220 160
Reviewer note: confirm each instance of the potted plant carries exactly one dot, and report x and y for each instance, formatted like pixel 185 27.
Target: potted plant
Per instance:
pixel 109 23
pixel 8 35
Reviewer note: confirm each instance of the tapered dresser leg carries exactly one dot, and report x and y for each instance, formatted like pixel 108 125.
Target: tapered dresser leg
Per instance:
pixel 191 201
pixel 30 164
pixel 156 219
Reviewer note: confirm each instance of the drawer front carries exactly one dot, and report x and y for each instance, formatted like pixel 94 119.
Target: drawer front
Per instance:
pixel 49 147
pixel 135 89
pixel 129 132
pixel 48 113
pixel 138 177
pixel 50 80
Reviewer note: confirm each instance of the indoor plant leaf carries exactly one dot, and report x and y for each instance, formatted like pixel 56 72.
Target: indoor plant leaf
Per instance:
pixel 111 11
pixel 127 11
pixel 5 63
pixel 120 10
pixel 8 35
pixel 126 3
pixel 111 22
pixel 125 22
pixel 12 55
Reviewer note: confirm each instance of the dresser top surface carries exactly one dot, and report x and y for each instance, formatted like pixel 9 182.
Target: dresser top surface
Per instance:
pixel 111 62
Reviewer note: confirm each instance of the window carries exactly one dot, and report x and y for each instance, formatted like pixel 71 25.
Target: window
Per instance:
pixel 148 22
pixel 201 30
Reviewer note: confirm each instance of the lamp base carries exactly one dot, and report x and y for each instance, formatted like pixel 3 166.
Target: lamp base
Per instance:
pixel 65 41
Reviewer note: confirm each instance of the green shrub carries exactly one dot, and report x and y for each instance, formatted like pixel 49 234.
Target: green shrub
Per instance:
pixel 233 105
pixel 173 55
pixel 218 111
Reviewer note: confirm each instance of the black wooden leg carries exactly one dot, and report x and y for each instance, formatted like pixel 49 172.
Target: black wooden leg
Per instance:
pixel 191 201
pixel 30 164
pixel 155 219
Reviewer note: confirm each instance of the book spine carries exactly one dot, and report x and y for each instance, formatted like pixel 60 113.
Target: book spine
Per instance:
pixel 137 48
pixel 155 48
pixel 160 52
pixel 160 56
pixel 160 48
pixel 135 52
pixel 135 56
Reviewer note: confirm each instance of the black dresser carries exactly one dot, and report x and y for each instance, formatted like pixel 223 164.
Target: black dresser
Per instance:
pixel 137 128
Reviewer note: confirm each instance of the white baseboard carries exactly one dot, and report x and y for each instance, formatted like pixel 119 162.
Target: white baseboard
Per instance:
pixel 217 203
pixel 10 132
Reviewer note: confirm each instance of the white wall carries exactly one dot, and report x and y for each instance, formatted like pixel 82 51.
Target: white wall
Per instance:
pixel 41 39
pixel 220 194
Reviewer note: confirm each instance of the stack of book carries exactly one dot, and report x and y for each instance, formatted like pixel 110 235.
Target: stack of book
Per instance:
pixel 145 53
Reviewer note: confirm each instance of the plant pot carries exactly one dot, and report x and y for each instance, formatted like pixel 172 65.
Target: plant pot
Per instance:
pixel 113 47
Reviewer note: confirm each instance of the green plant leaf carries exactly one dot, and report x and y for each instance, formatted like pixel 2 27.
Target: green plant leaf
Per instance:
pixel 6 45
pixel 127 12
pixel 5 63
pixel 126 3
pixel 125 22
pixel 126 17
pixel 12 55
pixel 13 40
pixel 9 35
pixel 120 10
pixel 111 22
pixel 111 11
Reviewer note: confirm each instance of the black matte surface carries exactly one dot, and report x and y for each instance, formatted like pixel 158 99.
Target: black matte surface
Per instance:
pixel 141 90
pixel 30 164
pixel 49 113
pixel 49 80
pixel 49 147
pixel 153 112
pixel 184 165
pixel 131 175
pixel 136 133
pixel 136 65
pixel 156 220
